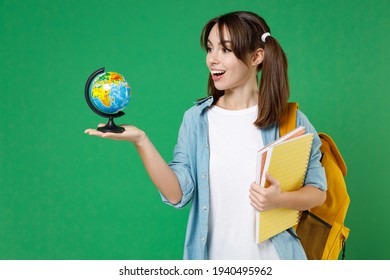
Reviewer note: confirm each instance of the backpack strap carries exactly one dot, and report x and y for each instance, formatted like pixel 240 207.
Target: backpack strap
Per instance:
pixel 288 120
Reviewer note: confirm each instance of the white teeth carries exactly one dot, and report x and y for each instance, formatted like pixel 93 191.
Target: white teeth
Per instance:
pixel 218 72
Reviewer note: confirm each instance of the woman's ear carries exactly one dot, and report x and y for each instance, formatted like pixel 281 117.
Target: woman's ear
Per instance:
pixel 258 57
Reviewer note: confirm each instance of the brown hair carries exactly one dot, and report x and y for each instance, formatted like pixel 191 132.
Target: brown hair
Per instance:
pixel 246 29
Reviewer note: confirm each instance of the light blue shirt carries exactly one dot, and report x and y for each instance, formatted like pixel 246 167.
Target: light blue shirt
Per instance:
pixel 191 165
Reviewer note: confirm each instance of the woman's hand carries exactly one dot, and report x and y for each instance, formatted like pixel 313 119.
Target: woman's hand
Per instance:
pixel 131 134
pixel 305 198
pixel 263 199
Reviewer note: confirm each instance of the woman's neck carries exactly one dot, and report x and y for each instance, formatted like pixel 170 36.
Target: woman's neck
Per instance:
pixel 238 100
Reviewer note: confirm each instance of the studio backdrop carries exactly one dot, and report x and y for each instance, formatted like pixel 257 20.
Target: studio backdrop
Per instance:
pixel 65 195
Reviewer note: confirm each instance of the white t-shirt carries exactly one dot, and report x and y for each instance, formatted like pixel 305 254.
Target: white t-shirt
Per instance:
pixel 234 141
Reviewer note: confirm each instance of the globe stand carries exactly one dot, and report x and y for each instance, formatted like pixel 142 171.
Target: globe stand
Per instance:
pixel 110 126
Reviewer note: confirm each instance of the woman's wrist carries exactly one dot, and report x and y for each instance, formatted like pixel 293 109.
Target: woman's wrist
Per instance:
pixel 142 139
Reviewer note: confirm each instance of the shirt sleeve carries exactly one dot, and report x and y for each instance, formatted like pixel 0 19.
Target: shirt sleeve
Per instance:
pixel 181 165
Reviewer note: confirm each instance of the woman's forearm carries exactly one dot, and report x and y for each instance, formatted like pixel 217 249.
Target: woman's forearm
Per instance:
pixel 160 173
pixel 303 199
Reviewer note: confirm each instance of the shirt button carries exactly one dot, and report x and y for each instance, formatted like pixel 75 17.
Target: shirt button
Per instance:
pixel 204 208
pixel 204 176
pixel 203 239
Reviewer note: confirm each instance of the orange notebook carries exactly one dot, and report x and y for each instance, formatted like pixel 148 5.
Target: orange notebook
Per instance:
pixel 286 160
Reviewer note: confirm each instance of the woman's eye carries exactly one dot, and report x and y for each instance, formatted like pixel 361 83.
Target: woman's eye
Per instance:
pixel 208 49
pixel 225 50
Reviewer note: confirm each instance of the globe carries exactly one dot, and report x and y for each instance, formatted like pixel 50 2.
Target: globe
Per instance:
pixel 107 94
pixel 110 92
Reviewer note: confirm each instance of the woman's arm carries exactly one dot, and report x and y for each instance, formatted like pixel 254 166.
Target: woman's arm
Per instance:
pixel 159 172
pixel 313 192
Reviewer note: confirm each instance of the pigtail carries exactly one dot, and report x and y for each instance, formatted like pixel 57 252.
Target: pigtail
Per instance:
pixel 274 89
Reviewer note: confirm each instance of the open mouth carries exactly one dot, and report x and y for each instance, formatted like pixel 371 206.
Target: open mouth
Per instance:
pixel 217 74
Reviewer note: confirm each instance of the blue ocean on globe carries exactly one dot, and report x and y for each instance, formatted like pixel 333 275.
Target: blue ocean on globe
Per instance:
pixel 109 92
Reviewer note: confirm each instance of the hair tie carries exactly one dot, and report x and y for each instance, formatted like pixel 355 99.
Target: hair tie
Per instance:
pixel 264 36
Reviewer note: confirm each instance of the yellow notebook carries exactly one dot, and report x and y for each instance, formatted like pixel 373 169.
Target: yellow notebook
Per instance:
pixel 287 162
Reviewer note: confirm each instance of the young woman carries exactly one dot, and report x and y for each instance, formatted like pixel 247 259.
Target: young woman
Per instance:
pixel 214 163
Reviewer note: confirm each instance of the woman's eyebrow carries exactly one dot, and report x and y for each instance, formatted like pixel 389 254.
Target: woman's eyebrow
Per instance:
pixel 220 43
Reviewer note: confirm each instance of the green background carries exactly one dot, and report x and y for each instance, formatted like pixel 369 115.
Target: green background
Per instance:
pixel 65 195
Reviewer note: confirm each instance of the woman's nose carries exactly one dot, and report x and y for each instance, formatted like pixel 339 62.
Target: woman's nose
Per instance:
pixel 212 57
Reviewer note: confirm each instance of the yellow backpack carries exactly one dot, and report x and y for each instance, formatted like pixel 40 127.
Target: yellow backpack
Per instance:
pixel 321 229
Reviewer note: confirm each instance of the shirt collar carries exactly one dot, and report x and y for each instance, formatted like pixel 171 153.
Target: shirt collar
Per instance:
pixel 204 102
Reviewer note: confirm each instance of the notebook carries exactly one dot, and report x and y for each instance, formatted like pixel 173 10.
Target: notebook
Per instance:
pixel 286 160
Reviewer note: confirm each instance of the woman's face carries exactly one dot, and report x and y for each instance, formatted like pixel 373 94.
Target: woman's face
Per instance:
pixel 227 71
